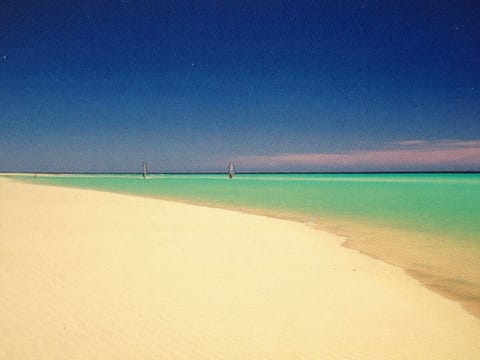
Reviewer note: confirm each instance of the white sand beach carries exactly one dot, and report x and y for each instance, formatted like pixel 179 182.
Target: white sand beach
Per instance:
pixel 92 275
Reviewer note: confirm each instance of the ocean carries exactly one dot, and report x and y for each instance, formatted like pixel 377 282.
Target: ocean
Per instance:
pixel 428 224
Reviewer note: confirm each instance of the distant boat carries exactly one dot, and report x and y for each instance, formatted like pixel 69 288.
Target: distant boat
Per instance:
pixel 144 169
pixel 231 170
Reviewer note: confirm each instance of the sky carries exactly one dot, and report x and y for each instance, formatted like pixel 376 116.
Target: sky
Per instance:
pixel 188 86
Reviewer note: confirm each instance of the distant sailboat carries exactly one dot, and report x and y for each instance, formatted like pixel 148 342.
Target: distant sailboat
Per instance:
pixel 144 169
pixel 231 170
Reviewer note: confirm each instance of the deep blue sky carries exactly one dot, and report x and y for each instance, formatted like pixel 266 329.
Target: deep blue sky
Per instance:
pixel 103 85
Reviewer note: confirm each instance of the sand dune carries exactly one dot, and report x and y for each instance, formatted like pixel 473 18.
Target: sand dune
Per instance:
pixel 91 275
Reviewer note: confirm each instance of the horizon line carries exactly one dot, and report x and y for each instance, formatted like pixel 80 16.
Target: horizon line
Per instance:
pixel 245 173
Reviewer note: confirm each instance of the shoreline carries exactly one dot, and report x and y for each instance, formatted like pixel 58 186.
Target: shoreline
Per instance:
pixel 115 266
pixel 434 275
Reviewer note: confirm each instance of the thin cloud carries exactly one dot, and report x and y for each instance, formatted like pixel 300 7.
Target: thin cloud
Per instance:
pixel 411 142
pixel 459 143
pixel 439 143
pixel 414 153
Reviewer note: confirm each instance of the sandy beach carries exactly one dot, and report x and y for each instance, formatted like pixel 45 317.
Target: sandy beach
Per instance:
pixel 92 275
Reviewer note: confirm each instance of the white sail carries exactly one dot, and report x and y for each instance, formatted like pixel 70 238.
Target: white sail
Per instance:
pixel 231 170
pixel 144 169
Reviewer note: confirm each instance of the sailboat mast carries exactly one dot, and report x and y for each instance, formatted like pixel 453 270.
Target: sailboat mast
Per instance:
pixel 231 170
pixel 144 169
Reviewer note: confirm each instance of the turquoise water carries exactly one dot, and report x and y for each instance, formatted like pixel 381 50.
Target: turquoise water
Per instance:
pixel 447 204
pixel 429 224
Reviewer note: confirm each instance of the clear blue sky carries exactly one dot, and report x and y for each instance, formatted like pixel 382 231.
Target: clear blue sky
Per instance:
pixel 101 86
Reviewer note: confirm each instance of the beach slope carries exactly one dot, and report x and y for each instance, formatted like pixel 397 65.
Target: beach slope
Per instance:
pixel 92 275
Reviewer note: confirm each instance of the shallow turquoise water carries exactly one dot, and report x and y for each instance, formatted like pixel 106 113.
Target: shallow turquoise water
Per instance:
pixel 445 204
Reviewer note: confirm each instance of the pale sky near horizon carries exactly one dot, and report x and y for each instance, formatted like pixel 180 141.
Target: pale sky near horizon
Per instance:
pixel 101 86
